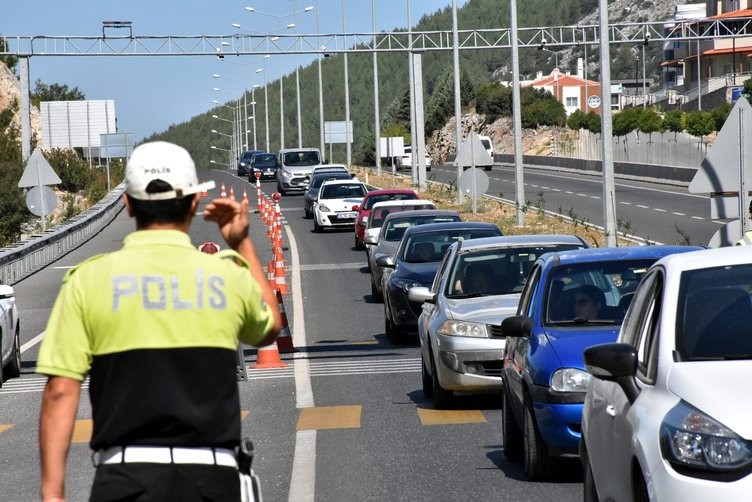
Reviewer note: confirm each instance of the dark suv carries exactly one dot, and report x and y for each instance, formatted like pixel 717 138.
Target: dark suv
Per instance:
pixel 244 162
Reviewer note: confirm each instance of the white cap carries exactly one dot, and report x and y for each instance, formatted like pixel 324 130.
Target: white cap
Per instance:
pixel 164 161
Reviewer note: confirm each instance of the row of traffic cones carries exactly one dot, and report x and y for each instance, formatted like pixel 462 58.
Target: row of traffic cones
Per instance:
pixel 269 356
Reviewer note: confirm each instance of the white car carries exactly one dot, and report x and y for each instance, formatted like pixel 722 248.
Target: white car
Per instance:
pixel 406 160
pixel 10 335
pixel 335 203
pixel 667 412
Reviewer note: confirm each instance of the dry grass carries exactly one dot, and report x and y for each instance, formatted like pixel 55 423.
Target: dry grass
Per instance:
pixel 493 210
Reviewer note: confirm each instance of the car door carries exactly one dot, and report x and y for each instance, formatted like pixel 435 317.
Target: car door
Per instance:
pixel 434 314
pixel 515 355
pixel 611 418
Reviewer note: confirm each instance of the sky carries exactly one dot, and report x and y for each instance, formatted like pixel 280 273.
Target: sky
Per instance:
pixel 152 93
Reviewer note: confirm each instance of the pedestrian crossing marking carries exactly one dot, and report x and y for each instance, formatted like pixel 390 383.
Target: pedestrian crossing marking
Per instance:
pixel 450 417
pixel 82 431
pixel 5 427
pixel 329 417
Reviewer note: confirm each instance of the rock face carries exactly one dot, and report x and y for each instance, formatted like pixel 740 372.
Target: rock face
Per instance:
pixel 10 90
pixel 534 141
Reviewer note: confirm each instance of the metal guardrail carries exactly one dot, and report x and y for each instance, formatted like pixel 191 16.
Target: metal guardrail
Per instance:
pixel 24 258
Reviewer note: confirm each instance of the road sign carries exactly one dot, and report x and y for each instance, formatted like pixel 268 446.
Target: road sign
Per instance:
pixel 472 153
pixel 38 172
pixel 725 170
pixel 41 201
pixel 594 101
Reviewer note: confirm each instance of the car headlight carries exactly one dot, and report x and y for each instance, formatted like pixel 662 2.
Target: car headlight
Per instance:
pixel 692 440
pixel 464 328
pixel 323 208
pixel 286 174
pixel 570 380
pixel 405 284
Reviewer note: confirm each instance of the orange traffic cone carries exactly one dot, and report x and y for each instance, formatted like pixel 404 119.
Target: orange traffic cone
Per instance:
pixel 268 357
pixel 284 340
pixel 232 192
pixel 279 272
pixel 204 193
pixel 245 195
pixel 270 274
pixel 223 192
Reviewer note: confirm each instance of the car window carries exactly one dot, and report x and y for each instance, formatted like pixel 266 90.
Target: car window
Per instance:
pixel 321 178
pixel 396 227
pixel 386 197
pixel 430 247
pixel 301 158
pixel 532 284
pixel 590 292
pixel 265 158
pixel 445 261
pixel 640 327
pixel 714 314
pixel 342 191
pixel 377 216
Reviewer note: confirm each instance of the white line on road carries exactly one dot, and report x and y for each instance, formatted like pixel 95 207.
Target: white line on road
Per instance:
pixel 26 346
pixel 330 266
pixel 678 214
pixel 642 206
pixel 659 209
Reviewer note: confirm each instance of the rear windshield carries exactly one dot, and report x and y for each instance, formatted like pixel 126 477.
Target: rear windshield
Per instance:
pixel 373 199
pixel 303 158
pixel 318 179
pixel 714 314
pixel 431 246
pixel 265 158
pixel 377 216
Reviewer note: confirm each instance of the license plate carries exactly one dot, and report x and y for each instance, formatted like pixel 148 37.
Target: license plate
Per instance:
pixel 344 216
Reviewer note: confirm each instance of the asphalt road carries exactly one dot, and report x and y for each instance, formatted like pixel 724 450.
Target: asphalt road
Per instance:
pixel 346 419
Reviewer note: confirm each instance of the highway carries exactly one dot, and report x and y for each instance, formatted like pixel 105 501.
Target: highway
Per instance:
pixel 346 419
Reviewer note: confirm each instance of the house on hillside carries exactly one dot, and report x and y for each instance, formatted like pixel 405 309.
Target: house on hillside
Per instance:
pixel 573 91
pixel 712 64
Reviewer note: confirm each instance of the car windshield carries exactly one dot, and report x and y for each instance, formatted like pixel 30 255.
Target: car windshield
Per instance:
pixel 266 158
pixel 343 191
pixel 396 227
pixel 303 158
pixel 496 271
pixel 378 215
pixel 321 178
pixel 247 155
pixel 374 199
pixel 714 314
pixel 593 292
pixel 431 246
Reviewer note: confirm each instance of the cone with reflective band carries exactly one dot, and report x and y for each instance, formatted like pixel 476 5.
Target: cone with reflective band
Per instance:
pixel 223 192
pixel 279 272
pixel 268 357
pixel 284 339
pixel 258 197
pixel 270 274
pixel 245 195
pixel 204 193
pixel 232 192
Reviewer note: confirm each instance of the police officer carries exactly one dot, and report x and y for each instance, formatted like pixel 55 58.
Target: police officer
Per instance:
pixel 746 239
pixel 156 325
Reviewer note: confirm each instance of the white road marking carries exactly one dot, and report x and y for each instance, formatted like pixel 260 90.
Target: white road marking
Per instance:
pixel 330 266
pixel 659 209
pixel 34 341
pixel 678 214
pixel 698 218
pixel 642 206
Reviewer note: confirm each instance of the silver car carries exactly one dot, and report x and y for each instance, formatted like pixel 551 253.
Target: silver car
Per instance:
pixel 10 332
pixel 476 287
pixel 389 237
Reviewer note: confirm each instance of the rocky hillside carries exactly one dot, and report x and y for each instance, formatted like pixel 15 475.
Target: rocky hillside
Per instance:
pixel 10 92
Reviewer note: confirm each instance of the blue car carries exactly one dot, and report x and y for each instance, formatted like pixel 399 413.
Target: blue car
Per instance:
pixel 415 263
pixel 571 300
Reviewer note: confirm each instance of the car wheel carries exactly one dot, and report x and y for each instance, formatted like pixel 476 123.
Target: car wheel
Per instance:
pixel 375 294
pixel 427 381
pixel 2 378
pixel 487 168
pixel 589 493
pixel 393 332
pixel 308 214
pixel 316 226
pixel 281 190
pixel 536 459
pixel 358 245
pixel 441 398
pixel 510 431
pixel 640 489
pixel 14 368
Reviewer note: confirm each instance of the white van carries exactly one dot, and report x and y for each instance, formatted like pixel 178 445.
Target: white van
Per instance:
pixel 295 169
pixel 488 145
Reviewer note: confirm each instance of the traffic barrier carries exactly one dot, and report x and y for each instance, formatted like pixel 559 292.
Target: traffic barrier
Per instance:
pixel 232 192
pixel 258 196
pixel 268 357
pixel 284 340
pixel 279 272
pixel 223 192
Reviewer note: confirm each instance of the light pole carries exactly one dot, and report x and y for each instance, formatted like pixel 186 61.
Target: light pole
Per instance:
pixel 297 71
pixel 644 87
pixel 376 120
pixel 347 95
pixel 321 85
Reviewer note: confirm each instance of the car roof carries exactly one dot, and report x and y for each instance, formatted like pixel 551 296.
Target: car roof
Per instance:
pixel 613 254
pixel 522 240
pixel 706 258
pixel 286 150
pixel 418 213
pixel 403 203
pixel 339 174
pixel 391 191
pixel 330 166
pixel 348 181
pixel 449 225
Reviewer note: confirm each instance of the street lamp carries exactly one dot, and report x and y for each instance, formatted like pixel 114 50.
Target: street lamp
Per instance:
pixel 297 69
pixel 542 47
pixel 347 96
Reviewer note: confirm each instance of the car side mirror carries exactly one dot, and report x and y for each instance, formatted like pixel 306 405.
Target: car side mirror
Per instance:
pixel 6 291
pixel 421 294
pixel 517 326
pixel 614 362
pixel 371 239
pixel 385 261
